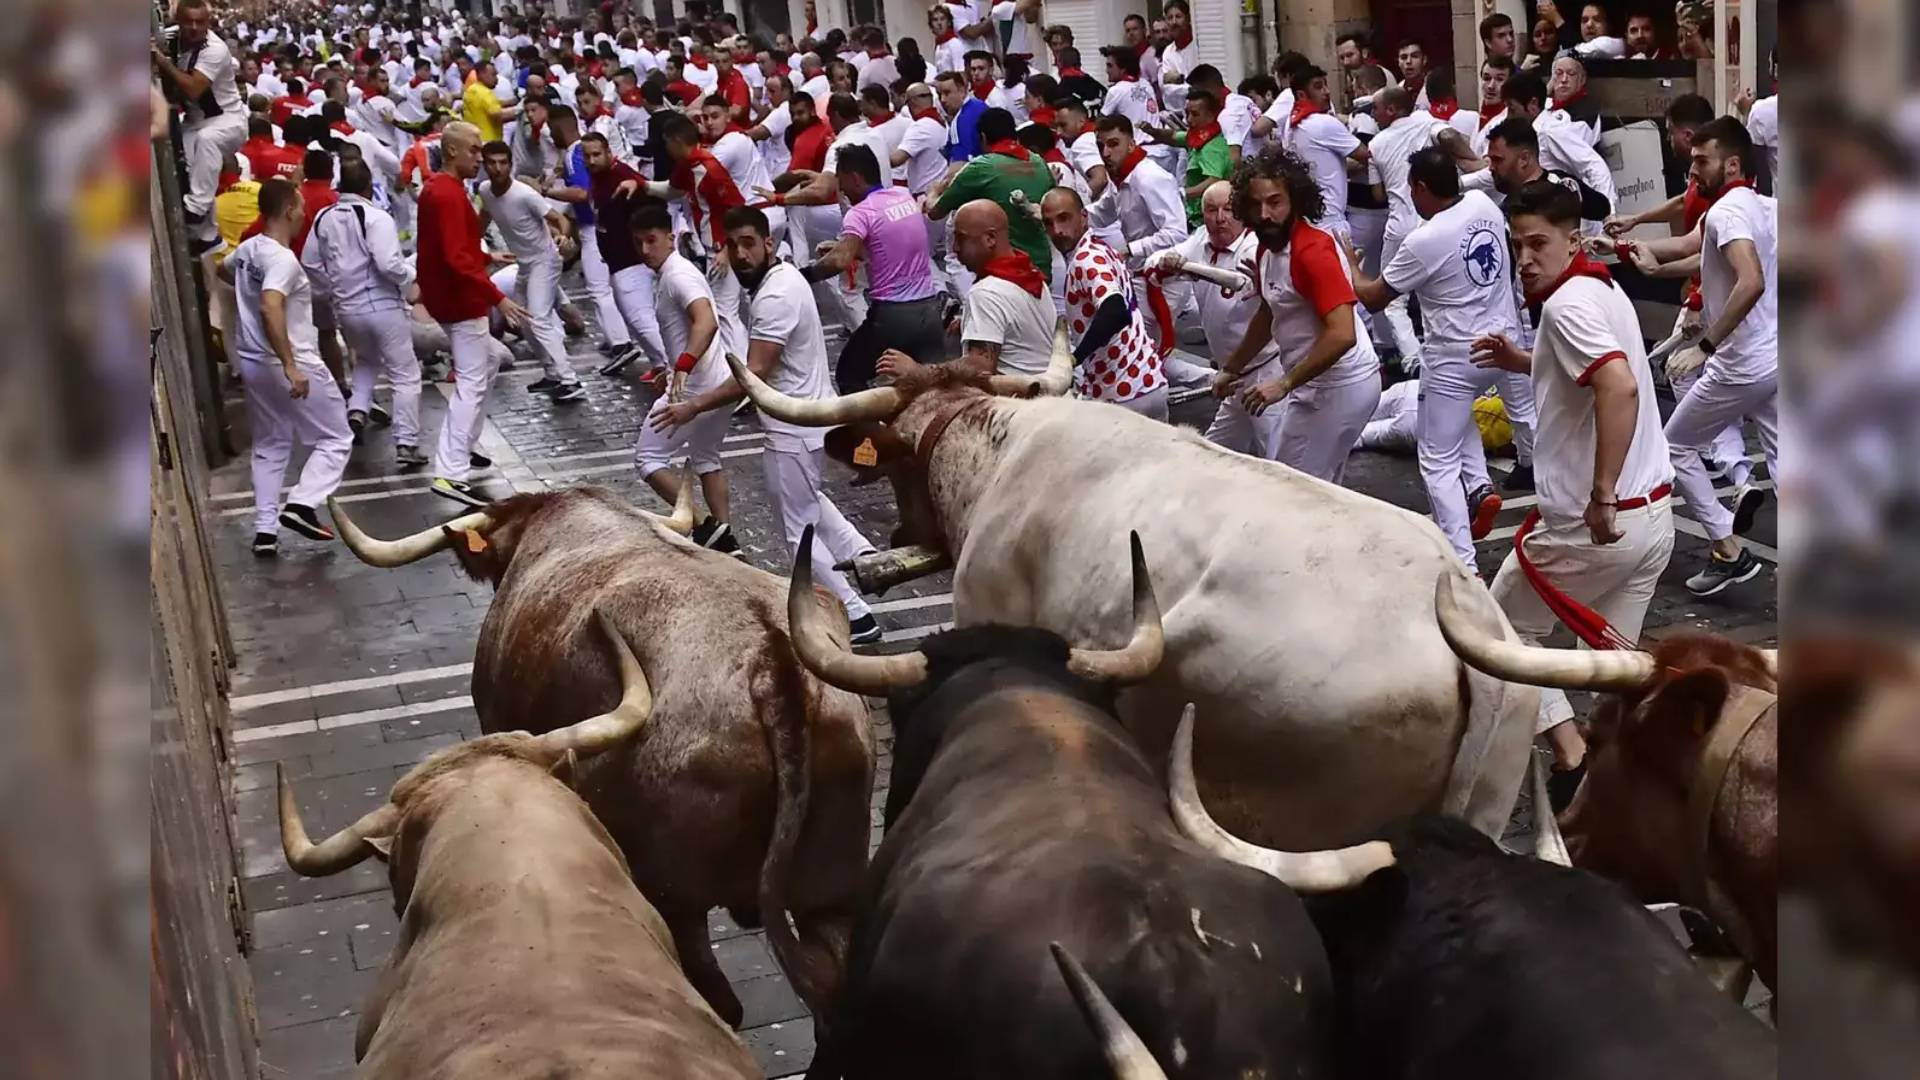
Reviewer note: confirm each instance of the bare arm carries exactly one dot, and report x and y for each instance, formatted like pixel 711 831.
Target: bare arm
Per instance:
pixel 1616 409
pixel 808 188
pixel 979 357
pixel 1259 331
pixel 273 313
pixel 1374 292
pixel 836 260
pixel 1337 335
pixel 190 82
pixel 1669 249
pixel 1750 283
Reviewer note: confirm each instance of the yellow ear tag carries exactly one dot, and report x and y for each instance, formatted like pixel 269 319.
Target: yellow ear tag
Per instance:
pixel 865 454
pixel 476 543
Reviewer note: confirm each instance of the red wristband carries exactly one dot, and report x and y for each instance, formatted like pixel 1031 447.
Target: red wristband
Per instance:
pixel 779 199
pixel 685 362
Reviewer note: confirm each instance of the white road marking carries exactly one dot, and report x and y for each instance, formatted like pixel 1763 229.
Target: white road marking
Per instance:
pixel 353 719
pixel 246 702
pixel 913 603
pixel 915 633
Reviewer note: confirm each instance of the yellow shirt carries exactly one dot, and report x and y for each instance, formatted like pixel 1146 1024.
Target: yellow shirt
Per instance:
pixel 478 104
pixel 234 210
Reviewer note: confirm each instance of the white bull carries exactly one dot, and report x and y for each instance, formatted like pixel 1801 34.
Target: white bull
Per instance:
pixel 1298 614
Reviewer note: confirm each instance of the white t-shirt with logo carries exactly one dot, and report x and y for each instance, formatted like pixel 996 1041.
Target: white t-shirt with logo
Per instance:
pixel 1324 143
pixel 521 214
pixel 1004 314
pixel 1586 324
pixel 1458 263
pixel 676 285
pixel 1752 351
pixel 781 311
pixel 259 264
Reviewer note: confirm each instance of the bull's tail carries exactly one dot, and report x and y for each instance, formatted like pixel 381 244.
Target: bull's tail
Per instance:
pixel 786 709
pixel 1490 761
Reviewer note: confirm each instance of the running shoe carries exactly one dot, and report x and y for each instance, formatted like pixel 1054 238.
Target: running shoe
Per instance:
pixel 866 630
pixel 459 491
pixel 1720 573
pixel 1483 504
pixel 303 520
pixel 1747 501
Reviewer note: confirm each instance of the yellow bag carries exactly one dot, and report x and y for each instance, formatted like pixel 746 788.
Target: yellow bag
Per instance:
pixel 1490 415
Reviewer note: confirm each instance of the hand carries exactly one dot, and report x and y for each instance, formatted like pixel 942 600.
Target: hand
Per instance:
pixel 953 326
pixel 674 416
pixel 159 58
pixel 1260 395
pixel 1495 351
pixel 893 364
pixel 412 293
pixel 626 189
pixel 514 313
pixel 766 194
pixel 1353 253
pixel 300 386
pixel 1620 225
pixel 501 258
pixel 1223 383
pixel 1169 262
pixel 677 388
pixel 1744 103
pixel 719 266
pixel 1641 258
pixel 1599 519
pixel 1685 362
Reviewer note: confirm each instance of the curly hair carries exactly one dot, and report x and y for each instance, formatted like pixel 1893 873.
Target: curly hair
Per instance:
pixel 1285 167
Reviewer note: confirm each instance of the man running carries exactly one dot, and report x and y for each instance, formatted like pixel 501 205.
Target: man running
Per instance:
pixel 525 220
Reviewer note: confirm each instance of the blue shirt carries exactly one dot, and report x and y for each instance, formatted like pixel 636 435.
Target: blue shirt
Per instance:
pixel 963 137
pixel 577 177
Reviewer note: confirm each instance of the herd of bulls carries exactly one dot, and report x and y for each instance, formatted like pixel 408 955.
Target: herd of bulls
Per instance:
pixel 1232 817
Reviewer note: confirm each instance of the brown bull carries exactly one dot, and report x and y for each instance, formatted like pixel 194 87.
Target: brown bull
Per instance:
pixel 1681 798
pixel 524 948
pixel 750 766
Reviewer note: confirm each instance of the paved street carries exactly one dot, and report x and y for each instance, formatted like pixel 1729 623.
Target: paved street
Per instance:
pixel 348 675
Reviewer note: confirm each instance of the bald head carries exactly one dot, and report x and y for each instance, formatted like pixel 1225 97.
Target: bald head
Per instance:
pixel 980 233
pixel 1216 215
pixel 1065 217
pixel 1392 103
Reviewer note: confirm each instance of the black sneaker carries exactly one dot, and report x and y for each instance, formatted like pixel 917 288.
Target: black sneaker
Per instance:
pixel 459 491
pixel 1483 504
pixel 569 394
pixel 479 460
pixel 621 359
pixel 545 384
pixel 727 544
pixel 303 520
pixel 265 545
pixel 704 531
pixel 1747 501
pixel 866 630
pixel 1520 479
pixel 1720 573
pixel 379 416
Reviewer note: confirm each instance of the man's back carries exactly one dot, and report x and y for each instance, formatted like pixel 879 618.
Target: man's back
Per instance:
pixel 997 177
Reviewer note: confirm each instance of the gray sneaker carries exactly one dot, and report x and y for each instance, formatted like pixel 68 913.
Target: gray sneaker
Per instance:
pixel 409 457
pixel 1720 573
pixel 569 393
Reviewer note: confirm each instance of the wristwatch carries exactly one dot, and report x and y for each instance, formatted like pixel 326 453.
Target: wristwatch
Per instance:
pixel 1706 345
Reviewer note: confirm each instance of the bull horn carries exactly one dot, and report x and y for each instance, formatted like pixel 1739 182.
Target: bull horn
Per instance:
pixel 682 520
pixel 1567 669
pixel 1548 845
pixel 878 403
pixel 1143 652
pixel 826 658
pixel 882 570
pixel 1057 380
pixel 1126 1055
pixel 598 734
pixel 388 554
pixel 1304 871
pixel 337 852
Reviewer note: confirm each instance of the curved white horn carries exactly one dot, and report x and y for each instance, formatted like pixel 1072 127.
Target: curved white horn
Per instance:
pixel 1057 381
pixel 336 852
pixel 1144 650
pixel 682 520
pixel 1548 845
pixel 407 549
pixel 1303 871
pixel 598 734
pixel 1567 669
pixel 878 403
pixel 1126 1055
pixel 812 640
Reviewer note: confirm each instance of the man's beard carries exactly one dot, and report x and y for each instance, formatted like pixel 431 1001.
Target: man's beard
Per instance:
pixel 751 276
pixel 1273 237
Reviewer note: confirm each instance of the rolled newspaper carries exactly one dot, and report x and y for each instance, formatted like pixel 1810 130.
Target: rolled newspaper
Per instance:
pixel 1231 280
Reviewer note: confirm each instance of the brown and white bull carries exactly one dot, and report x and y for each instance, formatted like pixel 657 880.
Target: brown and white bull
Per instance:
pixel 751 766
pixel 1681 801
pixel 1297 613
pixel 524 948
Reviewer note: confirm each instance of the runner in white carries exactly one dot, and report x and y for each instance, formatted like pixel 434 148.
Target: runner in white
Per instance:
pixel 526 220
pixel 1404 132
pixel 1130 97
pixel 1324 144
pixel 290 395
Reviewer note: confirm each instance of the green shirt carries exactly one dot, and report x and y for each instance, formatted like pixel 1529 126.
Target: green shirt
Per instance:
pixel 997 177
pixel 1211 160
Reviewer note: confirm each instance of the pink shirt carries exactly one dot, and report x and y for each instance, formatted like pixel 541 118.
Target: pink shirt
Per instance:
pixel 899 265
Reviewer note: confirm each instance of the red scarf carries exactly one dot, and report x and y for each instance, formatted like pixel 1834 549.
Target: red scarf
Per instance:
pixel 596 69
pixel 1577 95
pixel 1126 167
pixel 927 114
pixel 1072 73
pixel 1726 187
pixel 1581 266
pixel 417 80
pixel 1489 117
pixel 632 97
pixel 982 89
pixel 943 37
pixel 1017 267
pixel 589 117
pixel 1303 108
pixel 685 91
pixel 1201 136
pixel 700 62
pixel 1444 108
pixel 1129 78
pixel 1141 50
pixel 341 127
pixel 1042 115
pixel 1054 156
pixel 875 54
pixel 1011 148
pixel 1185 40
pixel 1414 86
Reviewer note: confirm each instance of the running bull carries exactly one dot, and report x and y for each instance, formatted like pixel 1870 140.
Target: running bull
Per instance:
pixel 1681 801
pixel 524 948
pixel 1021 814
pixel 1297 612
pixel 1457 959
pixel 751 765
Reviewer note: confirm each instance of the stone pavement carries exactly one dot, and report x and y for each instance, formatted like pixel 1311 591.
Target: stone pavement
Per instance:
pixel 348 675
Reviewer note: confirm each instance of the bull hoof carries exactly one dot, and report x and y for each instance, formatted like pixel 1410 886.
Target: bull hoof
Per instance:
pixel 746 918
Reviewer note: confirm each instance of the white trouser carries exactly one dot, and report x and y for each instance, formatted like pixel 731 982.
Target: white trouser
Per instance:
pixel 1712 406
pixel 383 341
pixel 1237 429
pixel 1320 424
pixel 1399 322
pixel 1616 581
pixel 1448 442
pixel 1369 229
pixel 1729 449
pixel 474 365
pixel 404 205
pixel 538 288
pixel 633 294
pixel 204 145
pixel 1396 419
pixel 700 439
pixel 793 479
pixel 1153 405
pixel 278 421
pixel 600 290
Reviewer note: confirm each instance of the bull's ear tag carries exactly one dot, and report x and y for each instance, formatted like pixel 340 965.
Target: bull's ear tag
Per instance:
pixel 476 543
pixel 865 454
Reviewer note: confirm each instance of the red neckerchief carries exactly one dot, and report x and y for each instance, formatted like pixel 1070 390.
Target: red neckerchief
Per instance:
pixel 1581 266
pixel 1054 156
pixel 598 112
pixel 1141 50
pixel 926 114
pixel 1073 73
pixel 981 90
pixel 632 97
pixel 781 70
pixel 943 37
pixel 1303 108
pixel 1228 250
pixel 1414 86
pixel 685 91
pixel 1011 148
pixel 813 25
pixel 1444 108
pixel 1489 117
pixel 1577 95
pixel 1726 187
pixel 873 54
pixel 1184 40
pixel 1202 135
pixel 596 69
pixel 1129 78
pixel 1134 158
pixel 1042 115
pixel 342 127
pixel 417 80
pixel 1017 267
pixel 700 62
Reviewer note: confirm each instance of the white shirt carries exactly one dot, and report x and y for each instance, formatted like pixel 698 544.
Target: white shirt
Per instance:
pixel 676 285
pixel 741 156
pixel 1752 351
pixel 706 79
pixel 1176 61
pixel 1134 100
pixel 1476 133
pixel 384 162
pixel 817 89
pixel 1566 144
pixel 950 55
pixel 877 71
pixel 1281 113
pixel 1147 206
pixel 774 152
pixel 885 137
pixel 925 141
pixel 1225 318
pixel 1236 121
pixel 1324 143
pixel 1004 314
pixel 782 312
pixel 1603 47
pixel 261 263
pixel 353 258
pixel 270 85
pixel 215 61
pixel 521 214
pixel 1021 34
pixel 1584 324
pixel 376 115
pixel 1458 263
pixel 1393 150
pixel 1763 124
pixel 1301 283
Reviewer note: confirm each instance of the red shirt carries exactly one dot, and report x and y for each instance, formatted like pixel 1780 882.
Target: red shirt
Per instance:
pixel 453 279
pixel 285 107
pixel 315 196
pixel 712 190
pixel 684 90
pixel 733 87
pixel 810 146
pixel 268 160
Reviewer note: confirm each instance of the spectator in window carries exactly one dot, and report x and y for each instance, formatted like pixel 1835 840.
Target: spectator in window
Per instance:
pixel 1545 44
pixel 1596 35
pixel 1643 38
